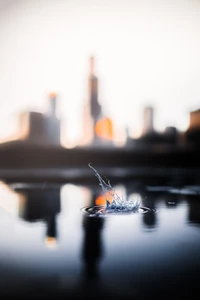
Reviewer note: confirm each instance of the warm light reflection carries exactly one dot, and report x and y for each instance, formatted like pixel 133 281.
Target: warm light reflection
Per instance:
pixel 51 242
pixel 52 94
pixel 101 200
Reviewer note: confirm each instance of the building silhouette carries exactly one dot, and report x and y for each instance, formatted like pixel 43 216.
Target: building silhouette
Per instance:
pixel 150 136
pixel 42 129
pixel 92 251
pixel 92 109
pixel 192 134
pixel 95 107
pixel 148 120
pixel 41 204
pixel 194 119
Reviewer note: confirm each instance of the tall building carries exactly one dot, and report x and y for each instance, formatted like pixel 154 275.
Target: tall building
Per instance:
pixel 92 109
pixel 95 108
pixel 194 119
pixel 42 129
pixel 148 115
pixel 192 134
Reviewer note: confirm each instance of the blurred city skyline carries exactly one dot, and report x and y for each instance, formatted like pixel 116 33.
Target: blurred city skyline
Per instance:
pixel 147 53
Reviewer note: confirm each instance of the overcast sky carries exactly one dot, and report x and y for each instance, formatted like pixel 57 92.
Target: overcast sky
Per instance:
pixel 147 52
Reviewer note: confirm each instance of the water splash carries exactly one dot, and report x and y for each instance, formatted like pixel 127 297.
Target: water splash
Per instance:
pixel 117 204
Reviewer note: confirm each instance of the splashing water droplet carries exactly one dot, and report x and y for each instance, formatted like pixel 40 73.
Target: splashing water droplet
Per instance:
pixel 116 204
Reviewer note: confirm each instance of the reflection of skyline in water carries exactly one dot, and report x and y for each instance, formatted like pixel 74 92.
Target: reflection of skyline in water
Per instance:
pixel 92 245
pixel 34 203
pixel 41 204
pixel 96 248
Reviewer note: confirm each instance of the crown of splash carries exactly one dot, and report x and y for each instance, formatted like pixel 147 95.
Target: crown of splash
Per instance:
pixel 117 204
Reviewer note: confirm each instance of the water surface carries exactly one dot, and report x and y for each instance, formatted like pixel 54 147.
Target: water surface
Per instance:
pixel 50 246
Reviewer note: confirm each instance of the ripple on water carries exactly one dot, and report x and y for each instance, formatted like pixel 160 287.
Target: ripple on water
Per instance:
pixel 101 211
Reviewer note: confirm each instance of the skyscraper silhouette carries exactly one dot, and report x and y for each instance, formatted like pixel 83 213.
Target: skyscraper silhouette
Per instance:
pixel 92 108
pixel 148 115
pixel 95 108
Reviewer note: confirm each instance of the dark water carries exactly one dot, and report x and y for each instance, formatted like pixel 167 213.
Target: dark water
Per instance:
pixel 50 247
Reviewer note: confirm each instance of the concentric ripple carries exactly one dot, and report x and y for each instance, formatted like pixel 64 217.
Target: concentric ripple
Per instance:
pixel 101 211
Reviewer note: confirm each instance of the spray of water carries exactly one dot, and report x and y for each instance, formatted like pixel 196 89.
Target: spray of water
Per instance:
pixel 117 203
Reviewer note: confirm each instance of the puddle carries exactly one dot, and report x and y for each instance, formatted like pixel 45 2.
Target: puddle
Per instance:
pixel 114 203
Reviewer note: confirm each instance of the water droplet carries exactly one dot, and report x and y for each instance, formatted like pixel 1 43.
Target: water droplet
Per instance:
pixel 114 203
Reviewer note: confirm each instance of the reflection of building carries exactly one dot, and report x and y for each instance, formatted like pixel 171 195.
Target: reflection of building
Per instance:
pixel 147 200
pixel 92 244
pixel 193 209
pixel 41 204
pixel 42 129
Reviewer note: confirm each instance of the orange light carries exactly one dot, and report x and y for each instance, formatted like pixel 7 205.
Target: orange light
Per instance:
pixel 104 129
pixel 50 242
pixel 52 95
pixel 101 200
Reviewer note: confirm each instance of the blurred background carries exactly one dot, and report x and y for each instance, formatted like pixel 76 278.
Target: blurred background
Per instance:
pixel 81 71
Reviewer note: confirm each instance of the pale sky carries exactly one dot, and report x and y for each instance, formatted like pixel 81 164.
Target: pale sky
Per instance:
pixel 147 52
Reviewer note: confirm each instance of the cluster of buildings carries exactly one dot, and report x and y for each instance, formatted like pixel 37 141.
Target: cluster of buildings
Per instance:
pixel 41 129
pixel 45 130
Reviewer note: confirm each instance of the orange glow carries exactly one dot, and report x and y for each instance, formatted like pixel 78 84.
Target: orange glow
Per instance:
pixel 52 95
pixel 50 242
pixel 101 200
pixel 104 129
pixel 91 65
